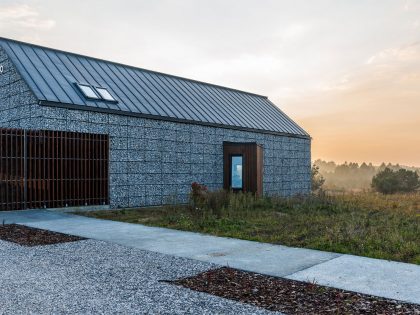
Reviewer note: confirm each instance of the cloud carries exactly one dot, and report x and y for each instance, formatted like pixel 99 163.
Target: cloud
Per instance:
pixel 373 113
pixel 23 17
pixel 383 70
pixel 411 5
pixel 294 31
pixel 401 54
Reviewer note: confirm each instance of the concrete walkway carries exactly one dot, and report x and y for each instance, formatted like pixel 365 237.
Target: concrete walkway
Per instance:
pixel 366 275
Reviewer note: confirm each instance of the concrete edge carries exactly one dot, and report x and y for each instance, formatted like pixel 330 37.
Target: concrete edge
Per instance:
pixel 79 209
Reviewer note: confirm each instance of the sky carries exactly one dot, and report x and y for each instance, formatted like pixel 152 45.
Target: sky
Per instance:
pixel 347 71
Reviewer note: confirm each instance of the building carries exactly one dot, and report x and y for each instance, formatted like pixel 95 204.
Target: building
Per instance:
pixel 77 131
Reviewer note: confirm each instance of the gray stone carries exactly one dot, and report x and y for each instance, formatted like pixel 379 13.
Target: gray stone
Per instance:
pixel 172 153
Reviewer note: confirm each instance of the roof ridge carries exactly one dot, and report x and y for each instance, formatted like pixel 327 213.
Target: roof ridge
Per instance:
pixel 130 66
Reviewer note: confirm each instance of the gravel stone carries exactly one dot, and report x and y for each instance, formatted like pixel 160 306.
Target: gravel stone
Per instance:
pixel 95 277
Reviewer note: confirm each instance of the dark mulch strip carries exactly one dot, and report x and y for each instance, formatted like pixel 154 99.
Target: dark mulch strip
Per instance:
pixel 288 296
pixel 28 236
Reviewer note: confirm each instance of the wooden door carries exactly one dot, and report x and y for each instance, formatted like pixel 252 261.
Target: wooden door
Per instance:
pixel 243 167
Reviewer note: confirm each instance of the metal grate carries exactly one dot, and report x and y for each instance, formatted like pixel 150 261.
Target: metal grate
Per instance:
pixel 12 169
pixel 52 169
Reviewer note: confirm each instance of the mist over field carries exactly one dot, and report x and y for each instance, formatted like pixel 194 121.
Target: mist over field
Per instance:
pixel 350 176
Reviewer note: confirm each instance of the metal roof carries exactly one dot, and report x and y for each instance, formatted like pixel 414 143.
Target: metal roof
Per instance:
pixel 51 74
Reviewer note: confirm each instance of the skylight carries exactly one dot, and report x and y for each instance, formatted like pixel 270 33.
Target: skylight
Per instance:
pixel 103 92
pixel 87 91
pixel 96 92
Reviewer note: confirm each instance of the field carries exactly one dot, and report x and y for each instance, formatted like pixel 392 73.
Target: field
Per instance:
pixel 365 224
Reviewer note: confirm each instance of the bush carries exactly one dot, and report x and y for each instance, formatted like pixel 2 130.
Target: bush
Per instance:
pixel 198 195
pixel 390 182
pixel 317 179
pixel 217 201
pixel 204 203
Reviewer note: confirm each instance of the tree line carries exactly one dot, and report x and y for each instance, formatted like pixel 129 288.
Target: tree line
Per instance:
pixel 350 176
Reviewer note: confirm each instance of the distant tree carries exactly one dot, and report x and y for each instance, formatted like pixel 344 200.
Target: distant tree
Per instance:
pixel 317 179
pixel 364 166
pixel 409 180
pixel 381 167
pixel 326 167
pixel 389 181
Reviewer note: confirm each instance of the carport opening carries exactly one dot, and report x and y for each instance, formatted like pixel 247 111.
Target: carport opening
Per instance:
pixel 52 169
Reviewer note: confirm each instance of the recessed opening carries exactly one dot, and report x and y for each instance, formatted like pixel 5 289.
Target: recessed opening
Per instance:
pixel 243 167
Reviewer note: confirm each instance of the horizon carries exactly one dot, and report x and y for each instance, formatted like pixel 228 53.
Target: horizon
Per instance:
pixel 348 73
pixel 366 162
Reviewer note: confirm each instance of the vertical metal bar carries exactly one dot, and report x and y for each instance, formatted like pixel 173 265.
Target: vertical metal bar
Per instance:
pixel 79 169
pixel 29 172
pixel 7 171
pixel 1 170
pixel 76 168
pixel 57 170
pixel 88 170
pixel 50 166
pixel 96 169
pixel 25 170
pixel 13 170
pixel 38 168
pixel 17 175
pixel 2 197
pixel 99 172
pixel 53 170
pixel 73 167
pixel 63 166
pixel 46 170
pixel 84 173
pixel 106 169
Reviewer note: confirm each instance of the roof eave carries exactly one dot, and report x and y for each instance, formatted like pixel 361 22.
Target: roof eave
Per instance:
pixel 164 118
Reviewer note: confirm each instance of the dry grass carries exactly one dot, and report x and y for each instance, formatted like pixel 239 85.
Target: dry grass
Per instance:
pixel 365 224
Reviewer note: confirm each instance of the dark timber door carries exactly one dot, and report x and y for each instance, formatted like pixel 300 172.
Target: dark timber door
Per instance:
pixel 243 167
pixel 52 169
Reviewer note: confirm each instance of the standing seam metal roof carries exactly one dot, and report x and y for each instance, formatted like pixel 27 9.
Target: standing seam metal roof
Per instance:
pixel 51 74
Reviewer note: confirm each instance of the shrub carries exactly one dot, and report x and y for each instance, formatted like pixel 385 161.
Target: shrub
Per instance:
pixel 198 195
pixel 317 179
pixel 390 182
pixel 204 203
pixel 217 201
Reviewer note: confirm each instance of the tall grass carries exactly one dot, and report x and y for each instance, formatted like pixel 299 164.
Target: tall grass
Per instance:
pixel 364 224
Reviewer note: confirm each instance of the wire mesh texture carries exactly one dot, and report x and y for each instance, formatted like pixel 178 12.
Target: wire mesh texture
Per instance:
pixel 52 169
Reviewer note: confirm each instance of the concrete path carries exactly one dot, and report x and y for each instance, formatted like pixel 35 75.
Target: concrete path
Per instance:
pixel 371 276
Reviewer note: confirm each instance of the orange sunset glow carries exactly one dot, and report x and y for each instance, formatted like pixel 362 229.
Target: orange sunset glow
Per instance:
pixel 372 116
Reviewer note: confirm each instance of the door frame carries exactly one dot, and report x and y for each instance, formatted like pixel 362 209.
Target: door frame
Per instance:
pixel 252 166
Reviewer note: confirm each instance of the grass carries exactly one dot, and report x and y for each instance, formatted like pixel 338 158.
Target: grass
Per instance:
pixel 366 224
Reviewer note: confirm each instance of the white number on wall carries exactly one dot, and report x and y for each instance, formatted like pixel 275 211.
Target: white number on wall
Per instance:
pixel 1 68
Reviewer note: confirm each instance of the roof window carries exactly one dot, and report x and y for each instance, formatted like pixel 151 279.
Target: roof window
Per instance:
pixel 103 92
pixel 87 91
pixel 96 92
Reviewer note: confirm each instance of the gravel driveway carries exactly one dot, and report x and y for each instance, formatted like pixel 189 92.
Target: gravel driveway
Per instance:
pixel 95 277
